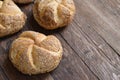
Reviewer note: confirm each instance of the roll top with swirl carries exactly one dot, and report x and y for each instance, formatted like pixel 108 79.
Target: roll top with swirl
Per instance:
pixel 52 14
pixel 34 53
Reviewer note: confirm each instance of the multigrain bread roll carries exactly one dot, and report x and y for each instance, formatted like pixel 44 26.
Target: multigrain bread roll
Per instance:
pixel 52 14
pixel 12 18
pixel 23 1
pixel 34 53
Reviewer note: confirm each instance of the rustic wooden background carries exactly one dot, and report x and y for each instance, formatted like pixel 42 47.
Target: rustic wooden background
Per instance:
pixel 91 44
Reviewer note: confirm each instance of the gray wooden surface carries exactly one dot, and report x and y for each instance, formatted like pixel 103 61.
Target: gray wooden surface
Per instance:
pixel 91 44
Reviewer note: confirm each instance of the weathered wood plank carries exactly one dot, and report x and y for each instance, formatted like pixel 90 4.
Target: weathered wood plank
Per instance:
pixel 104 17
pixel 2 75
pixel 92 55
pixel 97 54
pixel 72 67
pixel 89 32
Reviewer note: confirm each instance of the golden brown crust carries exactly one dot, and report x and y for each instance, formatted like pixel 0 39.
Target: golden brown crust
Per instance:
pixel 1 3
pixel 52 14
pixel 12 18
pixel 23 1
pixel 34 53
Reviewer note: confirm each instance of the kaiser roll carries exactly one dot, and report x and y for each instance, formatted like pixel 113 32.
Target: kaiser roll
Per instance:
pixel 12 19
pixel 34 53
pixel 52 14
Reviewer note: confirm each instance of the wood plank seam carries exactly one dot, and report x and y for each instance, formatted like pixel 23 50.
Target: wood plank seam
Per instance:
pixel 107 23
pixel 105 63
pixel 96 45
pixel 79 70
pixel 4 73
pixel 110 46
pixel 109 60
pixel 80 57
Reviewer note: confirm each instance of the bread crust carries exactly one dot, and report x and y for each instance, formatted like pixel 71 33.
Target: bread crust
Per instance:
pixel 12 19
pixel 1 2
pixel 34 53
pixel 52 14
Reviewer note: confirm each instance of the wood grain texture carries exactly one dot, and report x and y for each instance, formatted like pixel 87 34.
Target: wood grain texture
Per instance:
pixel 97 53
pixel 91 44
pixel 104 17
pixel 72 67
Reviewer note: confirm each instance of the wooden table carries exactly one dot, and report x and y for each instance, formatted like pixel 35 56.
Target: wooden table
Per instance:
pixel 91 44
